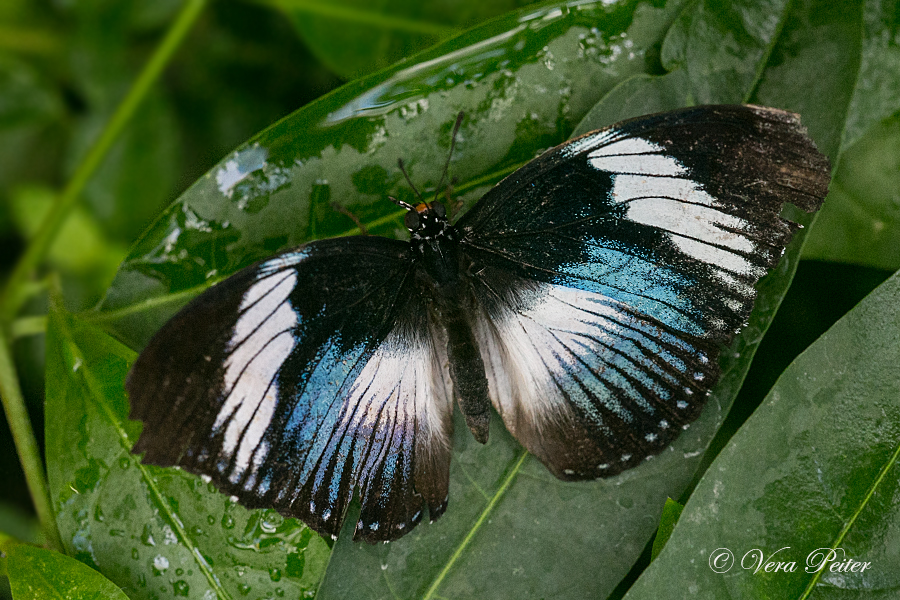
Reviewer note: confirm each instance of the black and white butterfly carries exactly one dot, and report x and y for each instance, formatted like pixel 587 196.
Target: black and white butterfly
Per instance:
pixel 586 298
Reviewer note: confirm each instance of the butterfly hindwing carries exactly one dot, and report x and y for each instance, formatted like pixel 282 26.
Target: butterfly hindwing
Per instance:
pixel 612 270
pixel 301 379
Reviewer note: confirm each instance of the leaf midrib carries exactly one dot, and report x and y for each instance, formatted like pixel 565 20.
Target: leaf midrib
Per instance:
pixel 475 527
pixel 850 522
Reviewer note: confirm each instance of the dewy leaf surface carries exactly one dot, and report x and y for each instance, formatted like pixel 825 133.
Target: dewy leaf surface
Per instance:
pixel 816 467
pixel 154 532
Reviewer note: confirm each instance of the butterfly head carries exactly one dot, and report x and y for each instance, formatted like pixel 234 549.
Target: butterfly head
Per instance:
pixel 427 221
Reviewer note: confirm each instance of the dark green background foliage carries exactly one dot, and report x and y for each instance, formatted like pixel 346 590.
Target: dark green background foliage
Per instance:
pixel 271 112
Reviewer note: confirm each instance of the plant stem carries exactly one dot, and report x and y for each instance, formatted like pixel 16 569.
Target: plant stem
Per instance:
pixel 26 443
pixel 10 302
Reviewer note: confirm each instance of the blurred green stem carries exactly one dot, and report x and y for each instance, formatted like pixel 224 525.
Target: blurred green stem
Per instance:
pixel 12 297
pixel 26 444
pixel 37 248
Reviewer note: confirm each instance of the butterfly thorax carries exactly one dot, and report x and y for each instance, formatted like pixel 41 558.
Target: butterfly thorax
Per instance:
pixel 435 243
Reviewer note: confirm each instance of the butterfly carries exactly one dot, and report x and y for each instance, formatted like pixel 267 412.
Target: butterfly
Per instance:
pixel 586 299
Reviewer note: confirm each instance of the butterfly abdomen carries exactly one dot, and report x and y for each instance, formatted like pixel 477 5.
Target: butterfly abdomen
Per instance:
pixel 467 372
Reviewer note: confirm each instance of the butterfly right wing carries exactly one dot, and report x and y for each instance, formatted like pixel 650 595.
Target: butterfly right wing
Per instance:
pixel 301 379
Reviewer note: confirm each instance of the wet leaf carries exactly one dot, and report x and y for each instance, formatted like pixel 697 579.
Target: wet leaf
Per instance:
pixel 815 468
pixel 37 574
pixel 153 532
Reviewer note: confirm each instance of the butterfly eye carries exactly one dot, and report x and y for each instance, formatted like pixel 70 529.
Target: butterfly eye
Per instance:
pixel 411 220
pixel 439 209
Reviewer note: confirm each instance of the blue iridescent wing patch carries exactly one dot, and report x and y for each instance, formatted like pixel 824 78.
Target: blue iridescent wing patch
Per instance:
pixel 291 388
pixel 613 269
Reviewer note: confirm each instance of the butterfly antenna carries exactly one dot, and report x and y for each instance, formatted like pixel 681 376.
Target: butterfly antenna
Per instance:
pixel 408 180
pixel 401 203
pixel 459 119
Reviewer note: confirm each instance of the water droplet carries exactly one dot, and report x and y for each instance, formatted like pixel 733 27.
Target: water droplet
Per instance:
pixel 227 521
pixel 160 564
pixel 179 571
pixel 134 553
pixel 98 514
pixel 275 574
pixel 124 462
pixel 211 520
pixel 147 537
pixel 180 588
pixel 244 589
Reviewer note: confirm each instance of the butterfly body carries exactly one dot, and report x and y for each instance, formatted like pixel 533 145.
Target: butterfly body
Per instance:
pixel 586 298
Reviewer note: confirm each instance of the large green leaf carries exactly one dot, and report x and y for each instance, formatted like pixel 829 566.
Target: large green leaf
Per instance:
pixel 525 81
pixel 815 468
pixel 153 532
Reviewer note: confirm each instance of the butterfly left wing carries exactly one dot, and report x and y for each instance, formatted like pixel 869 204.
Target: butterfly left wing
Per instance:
pixel 301 379
pixel 613 269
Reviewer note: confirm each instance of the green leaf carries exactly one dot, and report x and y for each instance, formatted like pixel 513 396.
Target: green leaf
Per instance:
pixel 671 513
pixel 151 531
pixel 860 222
pixel 38 574
pixel 815 467
pixel 356 37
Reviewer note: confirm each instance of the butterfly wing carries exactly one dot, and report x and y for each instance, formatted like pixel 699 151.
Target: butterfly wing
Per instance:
pixel 612 270
pixel 302 378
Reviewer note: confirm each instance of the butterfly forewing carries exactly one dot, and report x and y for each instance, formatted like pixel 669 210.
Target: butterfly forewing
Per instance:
pixel 612 270
pixel 302 379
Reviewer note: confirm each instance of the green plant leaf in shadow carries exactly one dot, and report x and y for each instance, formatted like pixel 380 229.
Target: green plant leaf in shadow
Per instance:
pixel 860 222
pixel 154 532
pixel 38 574
pixel 357 37
pixel 815 467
